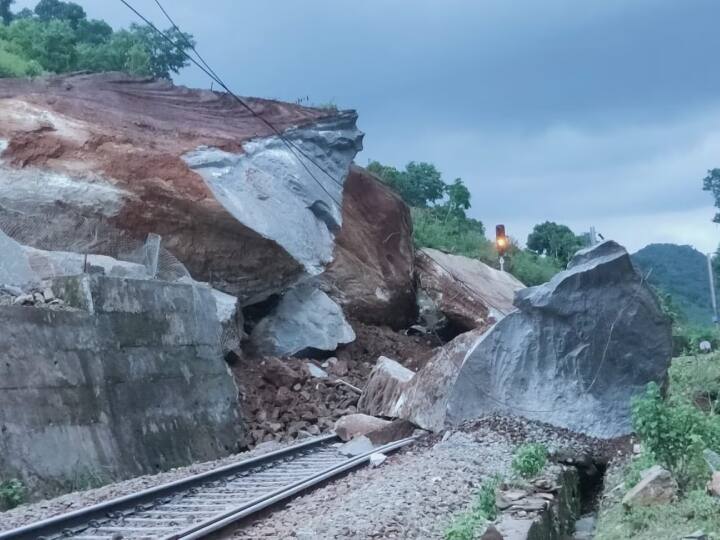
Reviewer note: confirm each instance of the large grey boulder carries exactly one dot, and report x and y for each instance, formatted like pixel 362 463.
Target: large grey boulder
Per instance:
pixel 576 351
pixel 305 319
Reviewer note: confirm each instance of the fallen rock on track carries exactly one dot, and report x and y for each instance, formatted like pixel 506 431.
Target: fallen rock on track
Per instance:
pixel 576 351
pixel 462 292
pixel 371 275
pixel 356 425
pixel 129 156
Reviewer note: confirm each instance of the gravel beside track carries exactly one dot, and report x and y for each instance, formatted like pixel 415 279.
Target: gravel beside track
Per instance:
pixel 415 493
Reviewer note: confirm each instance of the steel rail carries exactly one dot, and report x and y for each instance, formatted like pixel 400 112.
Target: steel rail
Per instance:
pixel 201 530
pixel 204 501
pixel 57 524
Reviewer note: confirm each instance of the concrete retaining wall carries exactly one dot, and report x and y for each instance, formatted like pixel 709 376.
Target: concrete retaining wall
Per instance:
pixel 133 383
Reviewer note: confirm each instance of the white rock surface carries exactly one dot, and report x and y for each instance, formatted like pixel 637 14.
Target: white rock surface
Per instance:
pixel 268 189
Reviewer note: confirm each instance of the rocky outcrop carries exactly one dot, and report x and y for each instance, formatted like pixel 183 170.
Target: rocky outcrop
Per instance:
pixel 94 163
pixel 306 319
pixel 462 292
pixel 576 351
pixel 656 486
pixel 387 381
pixel 371 275
pixel 128 380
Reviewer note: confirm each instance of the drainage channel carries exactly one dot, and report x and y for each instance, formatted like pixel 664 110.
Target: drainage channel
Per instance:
pixel 198 506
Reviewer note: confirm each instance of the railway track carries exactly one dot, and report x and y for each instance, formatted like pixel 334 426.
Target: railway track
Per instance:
pixel 199 505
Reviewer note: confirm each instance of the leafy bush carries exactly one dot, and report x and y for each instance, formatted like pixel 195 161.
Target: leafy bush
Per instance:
pixel 450 234
pixel 12 493
pixel 676 433
pixel 482 510
pixel 530 268
pixel 529 459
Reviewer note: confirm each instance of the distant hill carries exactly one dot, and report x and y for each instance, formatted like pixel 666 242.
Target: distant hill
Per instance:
pixel 681 272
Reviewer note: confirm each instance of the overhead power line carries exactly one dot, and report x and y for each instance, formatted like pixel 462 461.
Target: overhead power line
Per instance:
pixel 205 68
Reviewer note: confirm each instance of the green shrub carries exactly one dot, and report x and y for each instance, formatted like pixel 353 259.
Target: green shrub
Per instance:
pixel 676 433
pixel 12 493
pixel 529 459
pixel 482 510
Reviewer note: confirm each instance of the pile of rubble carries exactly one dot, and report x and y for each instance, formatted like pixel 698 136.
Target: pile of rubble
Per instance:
pixel 285 398
pixel 38 298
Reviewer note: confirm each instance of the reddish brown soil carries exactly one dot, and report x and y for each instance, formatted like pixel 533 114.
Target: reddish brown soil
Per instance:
pixel 282 402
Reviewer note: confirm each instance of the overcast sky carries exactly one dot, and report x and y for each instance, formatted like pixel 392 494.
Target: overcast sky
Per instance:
pixel 600 112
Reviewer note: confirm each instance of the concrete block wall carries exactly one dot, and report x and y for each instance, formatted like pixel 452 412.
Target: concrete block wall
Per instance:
pixel 130 382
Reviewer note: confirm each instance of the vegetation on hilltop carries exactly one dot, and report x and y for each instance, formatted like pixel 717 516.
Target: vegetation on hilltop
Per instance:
pixel 681 272
pixel 440 221
pixel 57 37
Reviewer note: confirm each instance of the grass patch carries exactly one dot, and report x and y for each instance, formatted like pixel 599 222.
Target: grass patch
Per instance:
pixel 465 526
pixel 12 493
pixel 697 379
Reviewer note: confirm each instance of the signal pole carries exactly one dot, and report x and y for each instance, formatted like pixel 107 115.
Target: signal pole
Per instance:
pixel 501 244
pixel 712 289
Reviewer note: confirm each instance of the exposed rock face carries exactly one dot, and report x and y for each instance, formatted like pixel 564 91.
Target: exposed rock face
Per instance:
pixel 92 163
pixel 656 486
pixel 372 273
pixel 113 385
pixel 576 351
pixel 305 319
pixel 387 381
pixel 466 292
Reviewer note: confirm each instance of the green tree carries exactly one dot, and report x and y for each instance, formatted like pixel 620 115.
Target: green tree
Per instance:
pixel 93 32
pixel 458 198
pixel 47 10
pixel 51 44
pixel 420 184
pixel 711 183
pixel 164 56
pixel 5 13
pixel 554 240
